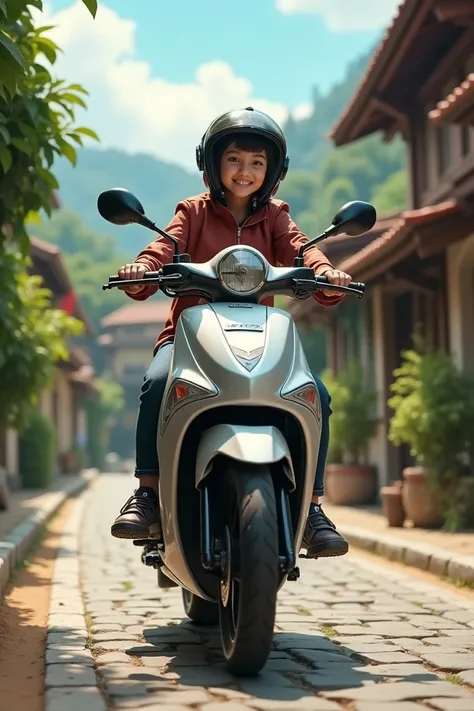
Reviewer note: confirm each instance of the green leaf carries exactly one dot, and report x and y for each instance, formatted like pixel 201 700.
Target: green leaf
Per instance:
pixel 70 98
pixel 91 6
pixel 33 218
pixel 21 145
pixel 48 48
pixel 67 151
pixel 77 139
pixel 8 75
pixel 6 159
pixel 49 155
pixel 44 28
pixel 28 131
pixel 77 87
pixel 5 134
pixel 48 178
pixel 87 132
pixel 12 49
pixel 3 7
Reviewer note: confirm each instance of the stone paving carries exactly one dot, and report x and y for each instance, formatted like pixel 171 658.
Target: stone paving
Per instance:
pixel 350 634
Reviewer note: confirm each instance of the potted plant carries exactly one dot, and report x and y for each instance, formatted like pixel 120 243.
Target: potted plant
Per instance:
pixel 433 413
pixel 392 504
pixel 349 478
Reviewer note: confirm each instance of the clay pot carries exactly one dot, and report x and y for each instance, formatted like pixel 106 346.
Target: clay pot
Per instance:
pixel 392 504
pixel 349 484
pixel 421 506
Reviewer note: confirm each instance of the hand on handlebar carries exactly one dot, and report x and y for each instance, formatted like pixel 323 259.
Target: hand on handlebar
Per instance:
pixel 132 271
pixel 336 277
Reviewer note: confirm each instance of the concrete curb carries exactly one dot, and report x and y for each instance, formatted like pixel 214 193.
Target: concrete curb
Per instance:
pixel 70 679
pixel 16 545
pixel 439 561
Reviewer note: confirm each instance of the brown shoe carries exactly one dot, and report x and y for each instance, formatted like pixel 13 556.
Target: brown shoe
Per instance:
pixel 139 517
pixel 321 539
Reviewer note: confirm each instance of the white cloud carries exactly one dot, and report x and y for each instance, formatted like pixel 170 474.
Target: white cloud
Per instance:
pixel 344 15
pixel 131 108
pixel 302 111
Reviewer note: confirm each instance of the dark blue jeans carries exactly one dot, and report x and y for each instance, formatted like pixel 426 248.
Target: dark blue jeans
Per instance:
pixel 150 401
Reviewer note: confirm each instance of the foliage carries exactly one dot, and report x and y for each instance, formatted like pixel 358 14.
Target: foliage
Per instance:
pixel 159 185
pixel 36 124
pixel 352 422
pixel 392 195
pixel 100 413
pixel 37 451
pixel 90 258
pixel 14 57
pixel 362 170
pixel 433 412
pixel 32 338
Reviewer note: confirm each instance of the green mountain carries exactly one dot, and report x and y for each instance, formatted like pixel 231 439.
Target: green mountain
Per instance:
pixel 158 185
pixel 307 139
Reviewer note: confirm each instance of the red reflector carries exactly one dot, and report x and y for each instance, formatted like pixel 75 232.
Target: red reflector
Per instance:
pixel 310 395
pixel 180 391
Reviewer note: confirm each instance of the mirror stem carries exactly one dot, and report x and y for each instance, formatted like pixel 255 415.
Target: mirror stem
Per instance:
pixel 146 222
pixel 332 230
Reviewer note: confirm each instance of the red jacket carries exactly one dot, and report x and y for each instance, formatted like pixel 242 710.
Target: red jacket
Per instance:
pixel 203 227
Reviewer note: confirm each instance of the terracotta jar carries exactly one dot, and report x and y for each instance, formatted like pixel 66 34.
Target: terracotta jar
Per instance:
pixel 349 484
pixel 421 506
pixel 392 504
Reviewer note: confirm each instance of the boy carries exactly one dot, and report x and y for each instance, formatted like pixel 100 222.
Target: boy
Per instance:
pixel 243 158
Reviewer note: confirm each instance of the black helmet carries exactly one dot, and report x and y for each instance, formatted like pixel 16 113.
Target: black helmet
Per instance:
pixel 242 121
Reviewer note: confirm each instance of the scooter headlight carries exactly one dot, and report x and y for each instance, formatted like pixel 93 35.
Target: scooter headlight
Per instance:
pixel 242 271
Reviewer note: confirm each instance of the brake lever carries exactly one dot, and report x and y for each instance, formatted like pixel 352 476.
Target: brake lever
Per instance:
pixel 306 287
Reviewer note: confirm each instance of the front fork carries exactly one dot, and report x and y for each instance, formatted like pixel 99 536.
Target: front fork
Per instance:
pixel 212 548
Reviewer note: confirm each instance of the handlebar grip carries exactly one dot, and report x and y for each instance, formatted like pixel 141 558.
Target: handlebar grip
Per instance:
pixel 147 275
pixel 359 285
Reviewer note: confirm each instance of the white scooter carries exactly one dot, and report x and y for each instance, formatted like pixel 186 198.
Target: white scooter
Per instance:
pixel 238 434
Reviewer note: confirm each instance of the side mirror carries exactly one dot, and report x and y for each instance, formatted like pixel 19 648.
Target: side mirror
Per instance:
pixel 354 218
pixel 120 207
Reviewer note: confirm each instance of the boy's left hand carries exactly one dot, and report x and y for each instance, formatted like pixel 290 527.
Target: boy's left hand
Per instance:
pixel 334 276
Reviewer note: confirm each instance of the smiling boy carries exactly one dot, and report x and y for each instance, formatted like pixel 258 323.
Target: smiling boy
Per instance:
pixel 243 158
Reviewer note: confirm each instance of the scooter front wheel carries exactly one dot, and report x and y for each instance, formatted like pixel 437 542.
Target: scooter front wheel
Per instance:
pixel 250 575
pixel 200 611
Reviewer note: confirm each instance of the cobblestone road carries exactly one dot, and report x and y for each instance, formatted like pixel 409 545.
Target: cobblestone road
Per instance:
pixel 350 634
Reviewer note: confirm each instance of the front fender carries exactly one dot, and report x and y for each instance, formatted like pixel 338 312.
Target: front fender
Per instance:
pixel 255 445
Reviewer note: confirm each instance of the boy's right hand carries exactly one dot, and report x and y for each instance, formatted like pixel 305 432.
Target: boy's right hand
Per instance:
pixel 132 271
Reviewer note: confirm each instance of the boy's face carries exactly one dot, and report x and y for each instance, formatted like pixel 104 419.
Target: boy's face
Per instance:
pixel 243 172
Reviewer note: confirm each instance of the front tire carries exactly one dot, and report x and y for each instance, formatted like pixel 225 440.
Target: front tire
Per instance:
pixel 200 611
pixel 250 579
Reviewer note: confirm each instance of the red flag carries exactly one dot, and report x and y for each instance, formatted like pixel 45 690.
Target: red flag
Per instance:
pixel 68 303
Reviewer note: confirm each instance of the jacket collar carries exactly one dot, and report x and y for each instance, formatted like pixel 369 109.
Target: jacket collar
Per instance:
pixel 227 215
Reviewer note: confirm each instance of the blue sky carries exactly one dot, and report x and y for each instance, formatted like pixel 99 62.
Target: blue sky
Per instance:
pixel 283 55
pixel 158 72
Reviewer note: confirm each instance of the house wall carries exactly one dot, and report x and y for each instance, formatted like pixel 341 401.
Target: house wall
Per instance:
pixel 12 459
pixel 65 421
pixel 460 292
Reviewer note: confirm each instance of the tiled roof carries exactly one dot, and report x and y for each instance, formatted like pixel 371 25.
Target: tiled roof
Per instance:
pixel 453 101
pixel 153 311
pixel 408 219
pixel 378 56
